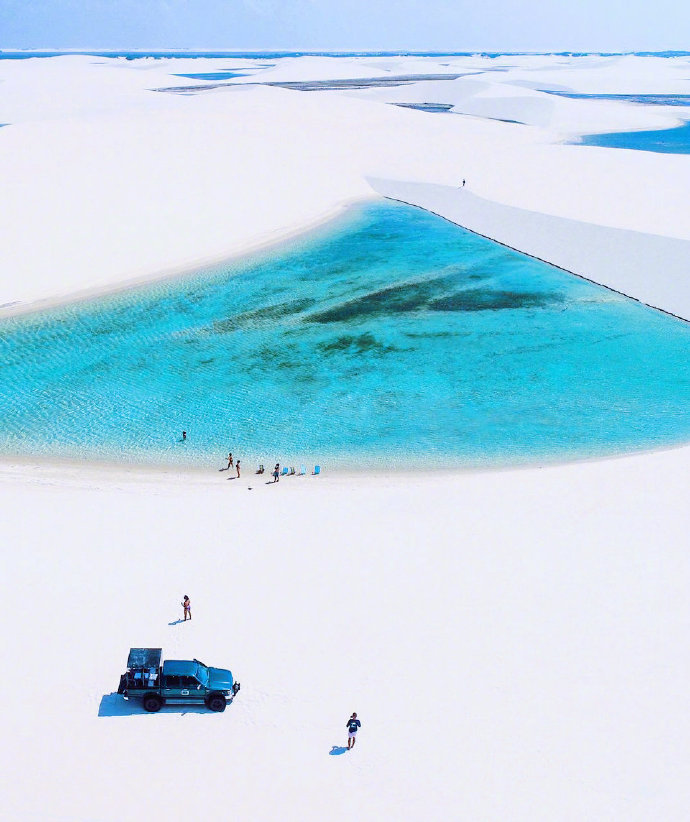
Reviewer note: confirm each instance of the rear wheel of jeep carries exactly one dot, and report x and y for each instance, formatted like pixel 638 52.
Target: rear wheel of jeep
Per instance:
pixel 152 703
pixel 216 703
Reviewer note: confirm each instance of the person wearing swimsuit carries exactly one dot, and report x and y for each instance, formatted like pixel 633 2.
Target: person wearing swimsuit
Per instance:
pixel 187 606
pixel 229 460
pixel 276 473
pixel 237 465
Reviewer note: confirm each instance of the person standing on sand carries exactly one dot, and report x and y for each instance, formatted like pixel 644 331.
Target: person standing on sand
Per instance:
pixel 352 725
pixel 229 460
pixel 187 607
pixel 237 465
pixel 276 473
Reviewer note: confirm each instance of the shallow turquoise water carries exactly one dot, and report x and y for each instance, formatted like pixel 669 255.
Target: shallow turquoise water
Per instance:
pixel 213 75
pixel 390 338
pixel 644 99
pixel 664 141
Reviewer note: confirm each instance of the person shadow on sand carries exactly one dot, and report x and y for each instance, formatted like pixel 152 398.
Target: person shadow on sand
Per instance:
pixel 336 750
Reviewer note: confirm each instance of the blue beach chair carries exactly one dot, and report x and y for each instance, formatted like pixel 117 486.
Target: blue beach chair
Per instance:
pixel 285 470
pixel 302 470
pixel 317 469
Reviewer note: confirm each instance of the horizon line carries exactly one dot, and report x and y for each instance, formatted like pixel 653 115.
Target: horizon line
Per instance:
pixel 346 52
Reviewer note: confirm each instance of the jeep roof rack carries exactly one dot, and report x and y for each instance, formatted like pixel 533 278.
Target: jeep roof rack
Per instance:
pixel 144 658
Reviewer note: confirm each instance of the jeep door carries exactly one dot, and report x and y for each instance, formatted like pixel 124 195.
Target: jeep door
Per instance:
pixel 172 687
pixel 191 688
pixel 182 689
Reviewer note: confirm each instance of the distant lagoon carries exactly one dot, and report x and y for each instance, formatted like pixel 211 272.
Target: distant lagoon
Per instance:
pixel 674 140
pixel 390 338
pixel 664 141
pixel 642 99
pixel 213 75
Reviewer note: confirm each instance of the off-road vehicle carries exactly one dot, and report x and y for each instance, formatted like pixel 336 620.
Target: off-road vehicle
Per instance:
pixel 176 682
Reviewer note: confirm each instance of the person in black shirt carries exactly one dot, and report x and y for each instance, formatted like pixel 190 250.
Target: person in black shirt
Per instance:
pixel 352 725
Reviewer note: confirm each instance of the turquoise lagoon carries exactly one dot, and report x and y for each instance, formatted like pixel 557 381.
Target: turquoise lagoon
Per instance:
pixel 389 338
pixel 664 141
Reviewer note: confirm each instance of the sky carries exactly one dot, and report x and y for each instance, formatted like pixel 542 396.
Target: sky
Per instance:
pixel 346 25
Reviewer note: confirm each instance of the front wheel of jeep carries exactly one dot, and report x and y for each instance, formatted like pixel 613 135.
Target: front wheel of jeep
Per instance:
pixel 216 703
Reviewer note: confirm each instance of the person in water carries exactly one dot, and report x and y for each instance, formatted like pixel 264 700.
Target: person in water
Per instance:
pixel 187 607
pixel 237 465
pixel 352 725
pixel 276 473
pixel 229 460
pixel 184 435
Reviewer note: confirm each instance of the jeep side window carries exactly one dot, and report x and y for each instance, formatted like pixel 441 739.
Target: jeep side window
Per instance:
pixel 172 681
pixel 189 682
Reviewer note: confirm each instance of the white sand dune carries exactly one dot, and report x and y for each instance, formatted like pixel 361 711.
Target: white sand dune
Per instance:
pixel 106 181
pixel 514 642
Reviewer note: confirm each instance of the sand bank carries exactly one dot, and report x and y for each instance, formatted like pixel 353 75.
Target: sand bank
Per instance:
pixel 513 643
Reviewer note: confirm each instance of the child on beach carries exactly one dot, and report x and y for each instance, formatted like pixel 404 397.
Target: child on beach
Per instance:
pixel 187 607
pixel 237 465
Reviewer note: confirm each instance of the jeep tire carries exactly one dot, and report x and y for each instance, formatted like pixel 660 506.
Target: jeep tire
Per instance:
pixel 216 702
pixel 152 703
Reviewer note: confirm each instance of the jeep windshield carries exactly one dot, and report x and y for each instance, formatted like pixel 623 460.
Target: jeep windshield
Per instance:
pixel 202 674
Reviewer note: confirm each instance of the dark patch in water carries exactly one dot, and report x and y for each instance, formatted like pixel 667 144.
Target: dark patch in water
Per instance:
pixel 410 297
pixel 478 299
pixel 266 356
pixel 360 344
pixel 207 362
pixel 433 335
pixel 270 359
pixel 269 312
pixel 399 299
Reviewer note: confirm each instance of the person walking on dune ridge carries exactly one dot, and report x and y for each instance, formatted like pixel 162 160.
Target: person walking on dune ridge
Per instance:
pixel 352 725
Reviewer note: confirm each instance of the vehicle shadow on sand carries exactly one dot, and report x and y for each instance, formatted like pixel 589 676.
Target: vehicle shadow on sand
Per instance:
pixel 115 704
pixel 337 750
